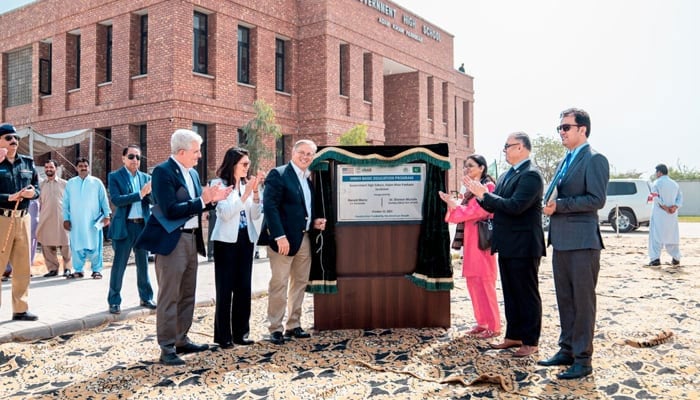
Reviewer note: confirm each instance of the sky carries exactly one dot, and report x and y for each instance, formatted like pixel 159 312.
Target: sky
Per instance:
pixel 633 65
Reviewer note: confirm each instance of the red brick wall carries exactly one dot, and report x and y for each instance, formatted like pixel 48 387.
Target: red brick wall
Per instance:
pixel 171 96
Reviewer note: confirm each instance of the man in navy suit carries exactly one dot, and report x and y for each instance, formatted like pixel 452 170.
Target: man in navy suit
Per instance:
pixel 518 239
pixel 289 214
pixel 174 234
pixel 130 192
pixel 581 182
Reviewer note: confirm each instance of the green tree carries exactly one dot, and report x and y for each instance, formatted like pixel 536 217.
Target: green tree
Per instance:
pixel 256 130
pixel 356 136
pixel 633 174
pixel 547 151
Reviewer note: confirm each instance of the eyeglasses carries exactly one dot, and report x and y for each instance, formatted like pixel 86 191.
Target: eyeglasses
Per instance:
pixel 566 127
pixel 10 137
pixel 301 153
pixel 132 156
pixel 245 164
pixel 509 145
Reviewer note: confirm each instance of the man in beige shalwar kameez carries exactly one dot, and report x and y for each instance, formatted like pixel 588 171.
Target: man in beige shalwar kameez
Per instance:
pixel 50 232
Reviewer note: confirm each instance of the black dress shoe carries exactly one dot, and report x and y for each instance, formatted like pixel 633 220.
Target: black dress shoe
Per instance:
pixel 148 304
pixel 243 341
pixel 297 333
pixel 276 338
pixel 50 274
pixel 557 359
pixel 191 347
pixel 675 262
pixel 576 371
pixel 115 309
pixel 171 359
pixel 24 316
pixel 226 345
pixel 654 263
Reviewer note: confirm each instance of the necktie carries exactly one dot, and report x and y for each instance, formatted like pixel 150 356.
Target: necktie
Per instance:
pixel 508 175
pixel 557 177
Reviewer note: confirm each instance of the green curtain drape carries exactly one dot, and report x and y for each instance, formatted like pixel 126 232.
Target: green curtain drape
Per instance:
pixel 433 270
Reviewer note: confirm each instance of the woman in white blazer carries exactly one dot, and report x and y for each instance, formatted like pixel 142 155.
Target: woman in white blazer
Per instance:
pixel 237 227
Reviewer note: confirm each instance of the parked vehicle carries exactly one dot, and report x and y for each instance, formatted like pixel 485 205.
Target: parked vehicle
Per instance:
pixel 628 204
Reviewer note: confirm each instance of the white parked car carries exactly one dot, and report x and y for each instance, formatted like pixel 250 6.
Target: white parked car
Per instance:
pixel 628 202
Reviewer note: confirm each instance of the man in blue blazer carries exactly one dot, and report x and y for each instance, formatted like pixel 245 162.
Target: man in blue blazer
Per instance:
pixel 289 215
pixel 518 238
pixel 174 234
pixel 130 192
pixel 581 182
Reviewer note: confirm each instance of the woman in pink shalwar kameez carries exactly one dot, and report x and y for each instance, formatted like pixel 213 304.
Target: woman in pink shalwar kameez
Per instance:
pixel 479 266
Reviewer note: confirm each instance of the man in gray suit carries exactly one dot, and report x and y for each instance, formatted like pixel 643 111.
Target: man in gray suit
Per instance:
pixel 581 182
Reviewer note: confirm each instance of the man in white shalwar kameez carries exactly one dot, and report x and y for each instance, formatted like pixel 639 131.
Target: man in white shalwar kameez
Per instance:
pixel 50 232
pixel 663 227
pixel 85 211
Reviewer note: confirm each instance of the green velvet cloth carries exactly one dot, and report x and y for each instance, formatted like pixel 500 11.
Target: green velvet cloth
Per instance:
pixel 433 270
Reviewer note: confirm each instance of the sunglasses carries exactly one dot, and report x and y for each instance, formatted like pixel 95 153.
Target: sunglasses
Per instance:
pixel 566 127
pixel 245 164
pixel 132 156
pixel 10 137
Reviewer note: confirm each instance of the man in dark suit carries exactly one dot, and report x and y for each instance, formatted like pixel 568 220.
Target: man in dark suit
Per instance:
pixel 518 239
pixel 174 234
pixel 130 192
pixel 288 210
pixel 581 182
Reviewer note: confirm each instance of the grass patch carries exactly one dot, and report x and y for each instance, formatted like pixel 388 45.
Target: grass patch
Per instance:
pixel 689 218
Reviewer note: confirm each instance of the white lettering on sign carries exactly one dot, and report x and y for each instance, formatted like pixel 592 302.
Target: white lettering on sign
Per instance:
pixel 409 21
pixel 380 6
pixel 431 33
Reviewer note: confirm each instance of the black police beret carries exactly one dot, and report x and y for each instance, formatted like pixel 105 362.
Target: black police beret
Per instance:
pixel 7 128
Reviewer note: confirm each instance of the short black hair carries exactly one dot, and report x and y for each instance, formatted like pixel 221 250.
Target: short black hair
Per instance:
pixel 131 146
pixel 582 118
pixel 662 168
pixel 52 161
pixel 82 159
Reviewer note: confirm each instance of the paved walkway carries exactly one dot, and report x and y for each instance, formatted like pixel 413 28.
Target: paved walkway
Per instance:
pixel 65 306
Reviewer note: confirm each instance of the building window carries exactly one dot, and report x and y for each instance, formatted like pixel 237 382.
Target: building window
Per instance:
pixel 243 54
pixel 143 144
pixel 19 77
pixel 108 55
pixel 279 65
pixel 242 138
pixel 77 62
pixel 279 150
pixel 201 166
pixel 44 76
pixel 431 98
pixel 107 134
pixel 465 120
pixel 73 61
pixel 344 69
pixel 201 47
pixel 444 103
pixel 367 71
pixel 143 48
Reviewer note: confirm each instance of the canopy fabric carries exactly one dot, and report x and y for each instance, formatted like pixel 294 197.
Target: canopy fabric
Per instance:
pixel 38 143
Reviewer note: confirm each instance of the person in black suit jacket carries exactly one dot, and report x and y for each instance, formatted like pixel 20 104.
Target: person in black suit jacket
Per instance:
pixel 174 234
pixel 518 239
pixel 288 215
pixel 581 182
pixel 130 192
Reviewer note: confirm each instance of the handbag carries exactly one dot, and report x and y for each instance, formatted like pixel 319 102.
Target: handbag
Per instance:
pixel 485 230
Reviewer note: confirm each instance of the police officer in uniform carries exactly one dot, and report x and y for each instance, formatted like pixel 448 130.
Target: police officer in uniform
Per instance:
pixel 19 183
